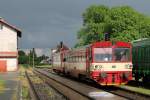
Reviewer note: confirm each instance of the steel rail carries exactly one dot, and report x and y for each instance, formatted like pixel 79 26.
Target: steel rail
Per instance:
pixel 133 94
pixel 67 91
pixel 32 89
pixel 126 93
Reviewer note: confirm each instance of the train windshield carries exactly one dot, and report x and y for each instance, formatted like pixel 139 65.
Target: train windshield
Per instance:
pixel 102 54
pixel 122 54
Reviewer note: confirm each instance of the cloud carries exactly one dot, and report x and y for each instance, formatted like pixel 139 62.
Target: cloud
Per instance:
pixel 45 23
pixel 39 51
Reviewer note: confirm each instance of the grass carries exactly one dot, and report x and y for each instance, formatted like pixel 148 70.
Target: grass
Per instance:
pixel 137 89
pixel 24 83
pixel 44 66
pixel 26 66
pixel 2 85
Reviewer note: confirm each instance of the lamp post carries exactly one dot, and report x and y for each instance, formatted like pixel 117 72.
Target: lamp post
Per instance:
pixel 29 58
pixel 33 58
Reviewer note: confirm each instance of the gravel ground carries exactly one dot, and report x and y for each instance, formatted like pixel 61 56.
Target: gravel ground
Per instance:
pixel 45 91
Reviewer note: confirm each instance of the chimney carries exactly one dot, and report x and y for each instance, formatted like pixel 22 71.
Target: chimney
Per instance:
pixel 1 18
pixel 61 44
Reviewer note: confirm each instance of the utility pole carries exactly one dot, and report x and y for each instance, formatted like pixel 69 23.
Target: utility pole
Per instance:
pixel 29 58
pixel 33 58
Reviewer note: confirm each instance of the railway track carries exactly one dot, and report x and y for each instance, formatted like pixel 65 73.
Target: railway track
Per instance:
pixel 132 95
pixel 135 95
pixel 74 90
pixel 62 88
pixel 33 93
pixel 123 92
pixel 41 91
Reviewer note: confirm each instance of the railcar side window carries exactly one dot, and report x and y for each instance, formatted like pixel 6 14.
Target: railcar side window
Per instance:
pixel 68 59
pixel 80 58
pixel 83 59
pixel 76 58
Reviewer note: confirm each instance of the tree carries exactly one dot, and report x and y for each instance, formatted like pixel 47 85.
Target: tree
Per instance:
pixel 28 59
pixel 42 58
pixel 30 56
pixel 123 23
pixel 23 58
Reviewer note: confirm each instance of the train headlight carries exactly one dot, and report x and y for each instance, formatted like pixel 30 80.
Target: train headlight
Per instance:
pixel 92 68
pixel 128 66
pixel 97 67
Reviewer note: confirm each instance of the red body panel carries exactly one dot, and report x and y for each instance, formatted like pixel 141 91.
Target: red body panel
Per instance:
pixel 112 77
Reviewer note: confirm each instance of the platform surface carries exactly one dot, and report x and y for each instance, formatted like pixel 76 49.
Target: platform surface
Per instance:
pixel 9 86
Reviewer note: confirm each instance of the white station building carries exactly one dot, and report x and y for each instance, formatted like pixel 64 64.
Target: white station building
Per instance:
pixel 8 46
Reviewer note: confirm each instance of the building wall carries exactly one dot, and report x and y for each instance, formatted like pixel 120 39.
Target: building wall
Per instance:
pixel 8 48
pixel 11 63
pixel 8 40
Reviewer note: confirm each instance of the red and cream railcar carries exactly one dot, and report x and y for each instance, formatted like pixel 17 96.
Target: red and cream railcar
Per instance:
pixel 103 62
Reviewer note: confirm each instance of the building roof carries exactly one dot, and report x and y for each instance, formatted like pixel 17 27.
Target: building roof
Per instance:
pixel 11 26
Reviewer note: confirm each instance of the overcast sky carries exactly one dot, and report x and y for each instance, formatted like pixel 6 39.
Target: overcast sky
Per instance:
pixel 46 22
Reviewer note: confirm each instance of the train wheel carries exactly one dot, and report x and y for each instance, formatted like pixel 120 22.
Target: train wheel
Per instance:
pixel 145 79
pixel 68 74
pixel 136 77
pixel 81 77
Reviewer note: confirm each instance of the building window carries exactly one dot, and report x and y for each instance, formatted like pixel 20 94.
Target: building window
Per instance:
pixel 1 26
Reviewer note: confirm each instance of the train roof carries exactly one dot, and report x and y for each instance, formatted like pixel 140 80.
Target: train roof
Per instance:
pixel 82 47
pixel 105 44
pixel 141 42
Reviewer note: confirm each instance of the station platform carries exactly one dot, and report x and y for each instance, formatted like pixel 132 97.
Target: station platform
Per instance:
pixel 9 86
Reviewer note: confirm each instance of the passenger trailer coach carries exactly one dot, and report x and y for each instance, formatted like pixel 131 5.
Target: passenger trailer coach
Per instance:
pixel 141 59
pixel 104 62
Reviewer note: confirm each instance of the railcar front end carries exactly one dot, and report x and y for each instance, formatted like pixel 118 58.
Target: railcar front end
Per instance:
pixel 111 63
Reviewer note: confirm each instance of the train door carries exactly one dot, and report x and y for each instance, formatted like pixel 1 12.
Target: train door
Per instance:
pixel 88 60
pixel 3 66
pixel 62 62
